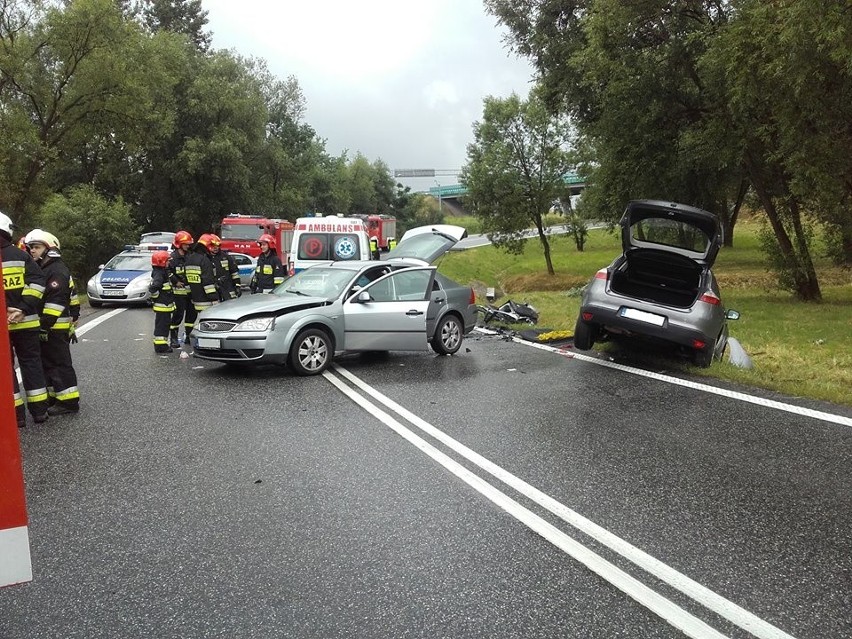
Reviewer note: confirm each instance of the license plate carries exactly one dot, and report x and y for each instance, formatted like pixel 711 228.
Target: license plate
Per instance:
pixel 206 342
pixel 112 294
pixel 642 316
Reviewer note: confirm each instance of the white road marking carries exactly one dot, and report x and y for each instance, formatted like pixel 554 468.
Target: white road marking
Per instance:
pixel 706 597
pixel 673 614
pixel 85 328
pixel 706 388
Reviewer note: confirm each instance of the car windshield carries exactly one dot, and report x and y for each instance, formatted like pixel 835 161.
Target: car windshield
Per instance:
pixel 316 282
pixel 157 238
pixel 129 263
pixel 656 230
pixel 241 231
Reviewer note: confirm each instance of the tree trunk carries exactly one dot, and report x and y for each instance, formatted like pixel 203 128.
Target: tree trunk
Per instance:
pixel 545 244
pixel 806 289
pixel 730 222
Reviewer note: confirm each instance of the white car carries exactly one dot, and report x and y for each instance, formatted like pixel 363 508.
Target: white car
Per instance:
pixel 124 279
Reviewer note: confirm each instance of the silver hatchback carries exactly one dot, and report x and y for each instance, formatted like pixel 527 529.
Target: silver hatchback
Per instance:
pixel 661 286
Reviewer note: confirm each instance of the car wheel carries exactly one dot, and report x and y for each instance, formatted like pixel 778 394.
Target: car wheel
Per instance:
pixel 703 358
pixel 95 304
pixel 311 352
pixel 448 336
pixel 584 335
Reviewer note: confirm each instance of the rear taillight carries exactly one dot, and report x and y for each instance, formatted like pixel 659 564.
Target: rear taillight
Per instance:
pixel 602 274
pixel 587 317
pixel 472 299
pixel 710 298
pixel 698 345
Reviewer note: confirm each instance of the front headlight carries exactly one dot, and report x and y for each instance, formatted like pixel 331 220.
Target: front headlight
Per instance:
pixel 138 285
pixel 255 324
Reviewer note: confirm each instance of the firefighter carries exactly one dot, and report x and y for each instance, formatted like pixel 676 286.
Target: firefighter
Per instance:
pixel 23 283
pixel 269 271
pixel 59 317
pixel 201 276
pixel 163 299
pixel 184 310
pixel 226 270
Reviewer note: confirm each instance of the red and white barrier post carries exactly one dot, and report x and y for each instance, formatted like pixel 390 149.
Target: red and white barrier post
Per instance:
pixel 15 565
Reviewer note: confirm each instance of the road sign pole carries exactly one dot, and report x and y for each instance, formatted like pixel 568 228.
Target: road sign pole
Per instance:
pixel 15 565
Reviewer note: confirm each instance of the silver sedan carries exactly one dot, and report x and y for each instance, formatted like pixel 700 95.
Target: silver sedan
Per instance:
pixel 400 303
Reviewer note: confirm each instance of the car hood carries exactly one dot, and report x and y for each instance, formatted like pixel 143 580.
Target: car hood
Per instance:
pixel 254 305
pixel 120 277
pixel 425 244
pixel 704 221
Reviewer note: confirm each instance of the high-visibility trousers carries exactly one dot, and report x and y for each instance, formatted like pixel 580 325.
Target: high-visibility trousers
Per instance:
pixel 162 324
pixel 185 314
pixel 25 346
pixel 58 369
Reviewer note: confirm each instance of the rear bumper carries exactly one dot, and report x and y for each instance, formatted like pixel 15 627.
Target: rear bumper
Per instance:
pixel 670 331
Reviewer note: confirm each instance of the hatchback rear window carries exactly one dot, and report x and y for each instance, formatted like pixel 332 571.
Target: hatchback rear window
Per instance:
pixel 667 232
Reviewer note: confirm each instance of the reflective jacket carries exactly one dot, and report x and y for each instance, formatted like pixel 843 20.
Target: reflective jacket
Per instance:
pixel 268 274
pixel 201 278
pixel 23 282
pixel 177 273
pixel 227 275
pixel 61 306
pixel 161 291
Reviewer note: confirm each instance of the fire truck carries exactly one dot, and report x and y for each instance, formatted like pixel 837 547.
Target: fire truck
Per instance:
pixel 382 228
pixel 239 234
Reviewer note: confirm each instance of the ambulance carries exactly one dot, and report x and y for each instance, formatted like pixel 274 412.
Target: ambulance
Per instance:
pixel 323 240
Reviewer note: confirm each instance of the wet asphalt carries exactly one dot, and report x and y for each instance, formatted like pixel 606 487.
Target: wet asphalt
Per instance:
pixel 188 499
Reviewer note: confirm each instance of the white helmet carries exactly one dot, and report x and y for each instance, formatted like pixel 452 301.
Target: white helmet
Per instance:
pixel 6 223
pixel 43 237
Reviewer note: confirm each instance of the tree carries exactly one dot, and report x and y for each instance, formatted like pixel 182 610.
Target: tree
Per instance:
pixel 515 169
pixel 177 16
pixel 90 228
pixel 74 77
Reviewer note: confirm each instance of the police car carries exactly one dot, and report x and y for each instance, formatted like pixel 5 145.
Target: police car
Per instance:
pixel 124 279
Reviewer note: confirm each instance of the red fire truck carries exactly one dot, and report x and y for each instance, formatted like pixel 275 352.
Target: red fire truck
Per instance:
pixel 382 228
pixel 239 234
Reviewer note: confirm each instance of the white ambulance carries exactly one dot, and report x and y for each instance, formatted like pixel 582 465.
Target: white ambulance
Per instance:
pixel 323 240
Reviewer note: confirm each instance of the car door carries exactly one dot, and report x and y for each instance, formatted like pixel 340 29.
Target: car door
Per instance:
pixel 390 313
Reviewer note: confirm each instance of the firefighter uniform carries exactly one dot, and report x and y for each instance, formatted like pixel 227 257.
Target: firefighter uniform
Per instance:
pixel 184 310
pixel 201 278
pixel 268 273
pixel 227 275
pixel 23 282
pixel 163 301
pixel 60 314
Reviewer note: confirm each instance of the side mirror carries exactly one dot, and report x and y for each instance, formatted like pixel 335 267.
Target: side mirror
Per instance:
pixel 101 267
pixel 363 297
pixel 732 314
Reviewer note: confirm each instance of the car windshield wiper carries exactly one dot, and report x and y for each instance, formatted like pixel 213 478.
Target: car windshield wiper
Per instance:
pixel 296 292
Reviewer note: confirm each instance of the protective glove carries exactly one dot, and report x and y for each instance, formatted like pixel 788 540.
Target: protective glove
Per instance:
pixel 42 335
pixel 72 334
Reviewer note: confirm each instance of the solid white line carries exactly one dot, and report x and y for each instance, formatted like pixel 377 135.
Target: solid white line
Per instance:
pixel 85 328
pixel 664 608
pixel 706 597
pixel 743 397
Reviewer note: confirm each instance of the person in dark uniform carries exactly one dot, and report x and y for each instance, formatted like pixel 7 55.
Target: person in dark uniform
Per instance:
pixel 226 270
pixel 23 284
pixel 184 310
pixel 269 271
pixel 59 316
pixel 163 300
pixel 201 277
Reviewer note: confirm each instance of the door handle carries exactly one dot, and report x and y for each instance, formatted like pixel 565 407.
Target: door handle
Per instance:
pixel 414 313
pixel 438 300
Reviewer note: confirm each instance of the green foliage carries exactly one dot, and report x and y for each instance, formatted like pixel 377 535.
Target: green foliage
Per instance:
pixel 515 167
pixel 90 228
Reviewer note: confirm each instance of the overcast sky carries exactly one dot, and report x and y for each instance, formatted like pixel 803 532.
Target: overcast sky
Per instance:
pixel 397 80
